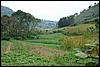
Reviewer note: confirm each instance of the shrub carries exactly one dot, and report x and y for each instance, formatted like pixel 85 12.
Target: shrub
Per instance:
pixel 37 37
pixel 18 38
pixel 70 42
pixel 5 38
pixel 54 31
pixel 65 33
pixel 46 30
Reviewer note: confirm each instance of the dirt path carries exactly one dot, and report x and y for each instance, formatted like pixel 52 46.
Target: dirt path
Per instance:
pixel 46 52
pixel 8 49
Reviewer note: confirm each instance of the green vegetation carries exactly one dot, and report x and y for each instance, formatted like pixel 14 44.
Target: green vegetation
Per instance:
pixel 74 43
pixel 20 24
pixel 71 42
pixel 87 15
pixel 66 21
pixel 76 30
pixel 37 53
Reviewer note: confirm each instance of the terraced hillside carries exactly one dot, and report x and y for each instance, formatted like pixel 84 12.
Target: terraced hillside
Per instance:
pixel 31 52
pixel 70 29
pixel 46 51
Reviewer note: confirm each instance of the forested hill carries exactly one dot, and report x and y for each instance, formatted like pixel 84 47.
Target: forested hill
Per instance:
pixel 88 14
pixel 6 11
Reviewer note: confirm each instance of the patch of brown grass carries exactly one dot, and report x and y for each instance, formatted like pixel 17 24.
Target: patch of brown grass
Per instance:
pixel 8 49
pixel 46 52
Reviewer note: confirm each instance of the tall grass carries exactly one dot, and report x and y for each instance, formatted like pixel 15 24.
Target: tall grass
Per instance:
pixel 70 42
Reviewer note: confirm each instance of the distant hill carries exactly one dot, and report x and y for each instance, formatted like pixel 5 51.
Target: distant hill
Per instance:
pixel 6 11
pixel 44 24
pixel 47 24
pixel 87 15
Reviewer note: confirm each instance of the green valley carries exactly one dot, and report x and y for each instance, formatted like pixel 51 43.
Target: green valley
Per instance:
pixel 30 41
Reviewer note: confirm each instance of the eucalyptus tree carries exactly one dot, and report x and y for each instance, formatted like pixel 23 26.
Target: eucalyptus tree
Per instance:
pixel 25 22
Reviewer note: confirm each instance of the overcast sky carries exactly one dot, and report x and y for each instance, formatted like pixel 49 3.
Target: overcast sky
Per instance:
pixel 49 10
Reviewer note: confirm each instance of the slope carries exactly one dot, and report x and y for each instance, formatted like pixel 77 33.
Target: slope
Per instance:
pixel 88 14
pixel 6 11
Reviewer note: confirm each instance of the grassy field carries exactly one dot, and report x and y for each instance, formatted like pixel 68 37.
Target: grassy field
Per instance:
pixel 71 29
pixel 48 50
pixel 54 49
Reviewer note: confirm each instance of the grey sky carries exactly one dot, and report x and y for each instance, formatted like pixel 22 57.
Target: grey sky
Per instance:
pixel 49 10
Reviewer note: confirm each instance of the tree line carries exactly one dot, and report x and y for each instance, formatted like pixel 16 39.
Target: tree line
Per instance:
pixel 66 21
pixel 19 24
pixel 71 21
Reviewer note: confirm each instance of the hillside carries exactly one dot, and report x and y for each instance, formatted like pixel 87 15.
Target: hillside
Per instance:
pixel 70 29
pixel 44 24
pixel 6 11
pixel 89 14
pixel 47 24
pixel 30 41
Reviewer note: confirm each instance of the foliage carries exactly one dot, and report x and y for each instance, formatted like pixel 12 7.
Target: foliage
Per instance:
pixel 88 15
pixel 76 30
pixel 20 24
pixel 5 38
pixel 21 55
pixel 69 59
pixel 34 47
pixel 66 21
pixel 63 22
pixel 71 42
pixel 97 23
pixel 24 59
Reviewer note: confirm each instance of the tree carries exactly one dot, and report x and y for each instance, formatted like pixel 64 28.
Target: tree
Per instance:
pixel 76 14
pixel 19 24
pixel 71 19
pixel 25 22
pixel 7 25
pixel 36 21
pixel 97 23
pixel 63 22
pixel 94 4
pixel 89 7
pixel 84 10
pixel 66 21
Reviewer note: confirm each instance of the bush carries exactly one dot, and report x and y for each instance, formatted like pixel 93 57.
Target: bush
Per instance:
pixel 91 30
pixel 30 37
pixel 46 30
pixel 5 38
pixel 18 38
pixel 65 33
pixel 70 42
pixel 54 31
pixel 37 37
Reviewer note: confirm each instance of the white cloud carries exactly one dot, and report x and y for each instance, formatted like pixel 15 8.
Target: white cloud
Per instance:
pixel 50 10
